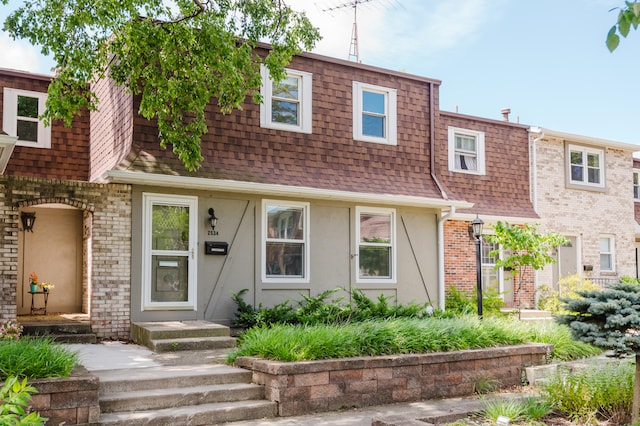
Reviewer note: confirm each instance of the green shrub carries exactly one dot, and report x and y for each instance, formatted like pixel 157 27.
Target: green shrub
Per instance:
pixel 549 298
pixel 321 309
pixel 604 392
pixel 464 302
pixel 35 358
pixel 15 396
pixel 565 347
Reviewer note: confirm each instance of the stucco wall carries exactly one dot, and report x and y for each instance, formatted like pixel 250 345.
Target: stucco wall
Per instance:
pixel 331 242
pixel 587 214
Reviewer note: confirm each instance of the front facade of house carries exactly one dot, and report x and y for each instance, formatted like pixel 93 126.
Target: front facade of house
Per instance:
pixel 486 162
pixel 327 184
pixel 582 191
pixel 81 236
pixel 347 176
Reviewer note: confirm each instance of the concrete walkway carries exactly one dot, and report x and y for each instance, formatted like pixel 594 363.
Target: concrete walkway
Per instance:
pixel 119 355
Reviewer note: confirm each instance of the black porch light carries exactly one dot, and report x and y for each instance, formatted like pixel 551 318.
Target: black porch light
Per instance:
pixel 27 219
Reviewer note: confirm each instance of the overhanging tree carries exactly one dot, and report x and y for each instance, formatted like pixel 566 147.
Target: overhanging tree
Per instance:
pixel 525 247
pixel 609 319
pixel 177 55
pixel 628 17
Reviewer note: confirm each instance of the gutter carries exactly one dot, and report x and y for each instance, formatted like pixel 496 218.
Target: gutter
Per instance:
pixel 533 163
pixel 275 190
pixel 441 221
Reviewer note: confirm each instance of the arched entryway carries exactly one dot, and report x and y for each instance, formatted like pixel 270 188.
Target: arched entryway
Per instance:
pixel 54 250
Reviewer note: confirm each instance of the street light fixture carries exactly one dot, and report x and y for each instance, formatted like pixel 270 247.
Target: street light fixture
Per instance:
pixel 476 228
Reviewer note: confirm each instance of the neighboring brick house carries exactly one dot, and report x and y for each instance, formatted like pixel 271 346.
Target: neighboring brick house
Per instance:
pixel 485 162
pixel 81 237
pixel 582 191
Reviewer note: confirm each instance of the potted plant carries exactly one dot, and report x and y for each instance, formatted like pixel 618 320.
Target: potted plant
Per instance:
pixel 46 286
pixel 33 282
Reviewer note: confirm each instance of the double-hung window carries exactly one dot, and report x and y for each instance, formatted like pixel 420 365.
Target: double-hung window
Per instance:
pixel 21 109
pixel 287 104
pixel 285 254
pixel 607 253
pixel 491 277
pixel 636 185
pixel 466 151
pixel 169 237
pixel 374 113
pixel 376 254
pixel 586 166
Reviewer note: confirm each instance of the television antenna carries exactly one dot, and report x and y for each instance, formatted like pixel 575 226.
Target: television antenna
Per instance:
pixel 354 54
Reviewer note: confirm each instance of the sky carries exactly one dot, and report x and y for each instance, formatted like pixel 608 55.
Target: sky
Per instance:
pixel 546 60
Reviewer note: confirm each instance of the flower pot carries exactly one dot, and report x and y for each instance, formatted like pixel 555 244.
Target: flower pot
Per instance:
pixel 34 288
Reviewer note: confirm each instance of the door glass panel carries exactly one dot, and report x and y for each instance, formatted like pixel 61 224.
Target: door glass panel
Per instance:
pixel 170 229
pixel 169 279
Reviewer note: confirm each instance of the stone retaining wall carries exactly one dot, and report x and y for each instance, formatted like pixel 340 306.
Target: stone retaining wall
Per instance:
pixel 69 400
pixel 327 385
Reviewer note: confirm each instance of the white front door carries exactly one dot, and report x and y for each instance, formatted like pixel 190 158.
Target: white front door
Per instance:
pixel 169 252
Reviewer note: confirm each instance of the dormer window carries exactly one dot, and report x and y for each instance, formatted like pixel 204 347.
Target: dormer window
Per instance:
pixel 466 151
pixel 286 104
pixel 20 117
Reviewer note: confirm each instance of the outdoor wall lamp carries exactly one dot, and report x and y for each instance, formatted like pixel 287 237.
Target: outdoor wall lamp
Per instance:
pixel 213 220
pixel 27 219
pixel 476 231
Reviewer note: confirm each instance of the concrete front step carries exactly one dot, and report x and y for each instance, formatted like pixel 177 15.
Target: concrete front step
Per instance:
pixel 169 336
pixel 191 344
pixel 154 399
pixel 139 379
pixel 204 414
pixel 67 332
pixel 193 394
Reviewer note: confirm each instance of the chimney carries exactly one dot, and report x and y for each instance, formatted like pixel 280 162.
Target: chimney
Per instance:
pixel 505 113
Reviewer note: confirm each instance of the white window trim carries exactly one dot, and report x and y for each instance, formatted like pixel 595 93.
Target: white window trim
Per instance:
pixel 612 244
pixel 500 271
pixel 480 154
pixel 391 113
pixel 148 200
pixel 394 248
pixel 305 279
pixel 586 150
pixel 10 116
pixel 306 101
pixel 636 172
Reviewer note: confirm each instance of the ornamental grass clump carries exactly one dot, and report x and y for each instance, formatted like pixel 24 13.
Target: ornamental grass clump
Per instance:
pixel 35 358
pixel 371 338
pixel 285 342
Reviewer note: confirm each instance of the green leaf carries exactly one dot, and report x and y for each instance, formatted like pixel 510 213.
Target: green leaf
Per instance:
pixel 613 40
pixel 624 22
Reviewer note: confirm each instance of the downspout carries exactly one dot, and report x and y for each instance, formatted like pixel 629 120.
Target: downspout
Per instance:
pixel 452 210
pixel 441 221
pixel 534 196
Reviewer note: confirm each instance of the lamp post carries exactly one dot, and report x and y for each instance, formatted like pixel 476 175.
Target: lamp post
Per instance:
pixel 476 227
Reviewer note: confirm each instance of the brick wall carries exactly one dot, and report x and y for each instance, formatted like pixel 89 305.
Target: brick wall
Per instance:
pixel 328 385
pixel 588 214
pixel 107 257
pixel 460 265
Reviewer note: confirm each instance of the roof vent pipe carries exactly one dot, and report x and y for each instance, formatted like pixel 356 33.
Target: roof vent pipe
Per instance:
pixel 505 113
